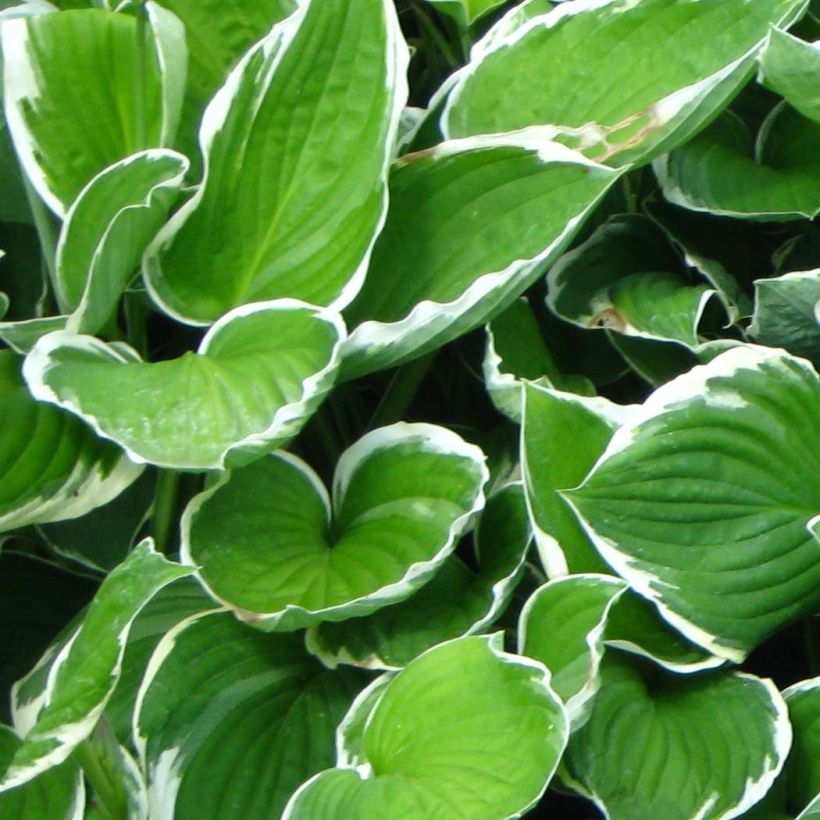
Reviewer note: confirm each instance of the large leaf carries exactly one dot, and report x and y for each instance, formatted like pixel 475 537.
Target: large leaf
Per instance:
pixel 692 505
pixel 790 67
pixel 548 465
pixel 80 95
pixel 723 172
pixel 231 721
pixel 81 677
pixel 52 466
pixel 678 747
pixel 465 730
pixel 457 601
pixel 562 625
pixel 296 145
pixel 258 375
pixel 107 229
pixel 58 794
pixel 471 225
pixel 785 313
pixel 270 543
pixel 690 57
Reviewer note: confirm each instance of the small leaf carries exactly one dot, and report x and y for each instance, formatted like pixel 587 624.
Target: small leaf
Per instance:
pixel 470 227
pixel 73 74
pixel 785 313
pixel 22 335
pixel 691 503
pixel 107 229
pixel 58 794
pixel 721 171
pixel 692 58
pixel 455 602
pixel 465 12
pixel 790 67
pixel 271 545
pixel 678 747
pixel 84 673
pixel 261 721
pixel 562 625
pixel 802 771
pixel 465 730
pixel 51 465
pixel 258 375
pixel 296 145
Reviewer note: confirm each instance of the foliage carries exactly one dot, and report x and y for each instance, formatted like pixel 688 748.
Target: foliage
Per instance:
pixel 409 408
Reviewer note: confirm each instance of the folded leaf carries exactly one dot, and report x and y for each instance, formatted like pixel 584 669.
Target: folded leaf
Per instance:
pixel 72 75
pixel 261 722
pixel 721 171
pixel 465 730
pixel 691 58
pixel 678 747
pixel 270 543
pixel 107 230
pixel 52 467
pixel 691 504
pixel 258 375
pixel 296 145
pixel 789 67
pixel 456 601
pixel 83 674
pixel 471 225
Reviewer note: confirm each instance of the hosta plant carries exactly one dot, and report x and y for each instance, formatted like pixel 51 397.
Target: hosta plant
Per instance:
pixel 410 409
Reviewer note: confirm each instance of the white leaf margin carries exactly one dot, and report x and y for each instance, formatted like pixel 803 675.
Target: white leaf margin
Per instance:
pixel 432 439
pixel 273 46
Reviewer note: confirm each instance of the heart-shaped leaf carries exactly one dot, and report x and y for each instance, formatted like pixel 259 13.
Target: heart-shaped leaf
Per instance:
pixel 261 722
pixel 724 172
pixel 693 57
pixel 270 543
pixel 562 625
pixel 107 229
pixel 296 145
pixel 465 730
pixel 691 505
pixel 471 225
pixel 678 747
pixel 515 351
pixel 785 313
pixel 457 601
pixel 58 794
pixel 790 66
pixel 52 467
pixel 73 74
pixel 82 675
pixel 258 375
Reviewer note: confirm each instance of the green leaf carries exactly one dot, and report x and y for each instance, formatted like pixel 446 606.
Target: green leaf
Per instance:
pixel 465 12
pixel 802 772
pixel 233 720
pixel 203 410
pixel 515 351
pixel 84 673
pixel 548 465
pixel 107 230
pixel 465 730
pixel 471 225
pixel 23 334
pixel 785 313
pixel 52 466
pixel 723 172
pixel 626 277
pixel 690 502
pixel 678 747
pixel 58 794
pixel 456 601
pixel 74 74
pixel 562 625
pixel 790 67
pixel 296 145
pixel 691 57
pixel 270 543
